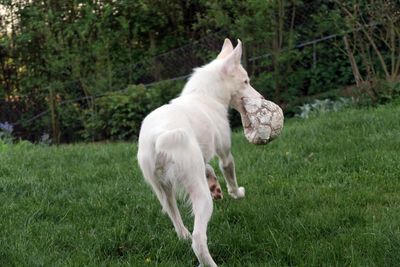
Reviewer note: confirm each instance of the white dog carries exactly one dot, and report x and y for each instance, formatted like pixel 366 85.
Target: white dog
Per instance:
pixel 177 141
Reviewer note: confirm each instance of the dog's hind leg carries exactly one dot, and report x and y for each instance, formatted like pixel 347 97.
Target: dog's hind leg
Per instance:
pixel 183 162
pixel 165 195
pixel 171 207
pixel 202 209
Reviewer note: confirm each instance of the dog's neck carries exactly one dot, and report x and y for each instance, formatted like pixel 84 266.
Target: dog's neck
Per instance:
pixel 206 81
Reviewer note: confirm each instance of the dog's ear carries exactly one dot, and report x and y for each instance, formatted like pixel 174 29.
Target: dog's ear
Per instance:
pixel 232 61
pixel 226 49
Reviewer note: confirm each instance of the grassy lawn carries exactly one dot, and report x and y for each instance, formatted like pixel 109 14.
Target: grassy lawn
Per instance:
pixel 326 193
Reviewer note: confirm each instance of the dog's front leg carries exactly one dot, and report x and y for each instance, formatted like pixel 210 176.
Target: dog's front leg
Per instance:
pixel 213 184
pixel 227 166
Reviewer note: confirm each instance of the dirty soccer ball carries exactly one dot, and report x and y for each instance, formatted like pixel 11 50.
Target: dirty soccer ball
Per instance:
pixel 262 121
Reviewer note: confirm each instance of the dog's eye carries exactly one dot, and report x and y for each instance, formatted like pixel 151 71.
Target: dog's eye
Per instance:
pixel 246 81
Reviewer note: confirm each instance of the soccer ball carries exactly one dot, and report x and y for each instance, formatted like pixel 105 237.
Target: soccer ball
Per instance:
pixel 262 120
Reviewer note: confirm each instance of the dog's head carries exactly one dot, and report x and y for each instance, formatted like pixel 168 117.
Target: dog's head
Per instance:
pixel 262 119
pixel 234 76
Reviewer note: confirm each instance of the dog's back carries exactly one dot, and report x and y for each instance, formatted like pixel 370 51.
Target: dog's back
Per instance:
pixel 198 116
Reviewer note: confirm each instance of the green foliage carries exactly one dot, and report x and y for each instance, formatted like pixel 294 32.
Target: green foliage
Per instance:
pixel 385 91
pixel 330 199
pixel 319 107
pixel 118 116
pixel 71 120
pixel 83 49
pixel 376 92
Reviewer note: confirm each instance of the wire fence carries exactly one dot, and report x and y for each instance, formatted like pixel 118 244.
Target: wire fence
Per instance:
pixel 177 65
pixel 179 68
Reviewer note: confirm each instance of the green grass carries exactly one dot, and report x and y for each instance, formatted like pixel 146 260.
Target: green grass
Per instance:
pixel 326 193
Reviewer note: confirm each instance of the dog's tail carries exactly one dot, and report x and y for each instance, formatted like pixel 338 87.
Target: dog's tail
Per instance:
pixel 177 154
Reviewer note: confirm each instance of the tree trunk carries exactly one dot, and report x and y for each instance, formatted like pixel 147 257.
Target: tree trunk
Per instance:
pixel 353 63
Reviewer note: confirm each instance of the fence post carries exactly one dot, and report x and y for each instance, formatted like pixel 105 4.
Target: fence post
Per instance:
pixel 314 55
pixel 54 120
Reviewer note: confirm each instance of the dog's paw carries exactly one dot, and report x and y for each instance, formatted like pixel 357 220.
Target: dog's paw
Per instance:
pixel 216 192
pixel 184 234
pixel 238 193
pixel 214 186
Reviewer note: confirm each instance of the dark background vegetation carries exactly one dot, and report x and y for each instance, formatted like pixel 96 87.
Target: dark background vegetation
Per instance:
pixel 85 70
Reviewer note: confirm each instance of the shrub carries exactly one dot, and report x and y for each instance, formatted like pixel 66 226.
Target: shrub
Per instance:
pixel 70 122
pixel 118 115
pixel 322 106
pixel 373 93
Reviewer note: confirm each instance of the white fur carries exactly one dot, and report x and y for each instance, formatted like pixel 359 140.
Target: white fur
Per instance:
pixel 177 140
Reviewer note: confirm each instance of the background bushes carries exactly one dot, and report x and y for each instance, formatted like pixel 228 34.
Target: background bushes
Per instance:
pixel 118 115
pixel 72 70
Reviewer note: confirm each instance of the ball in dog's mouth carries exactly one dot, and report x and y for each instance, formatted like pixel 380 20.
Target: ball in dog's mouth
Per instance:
pixel 262 120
